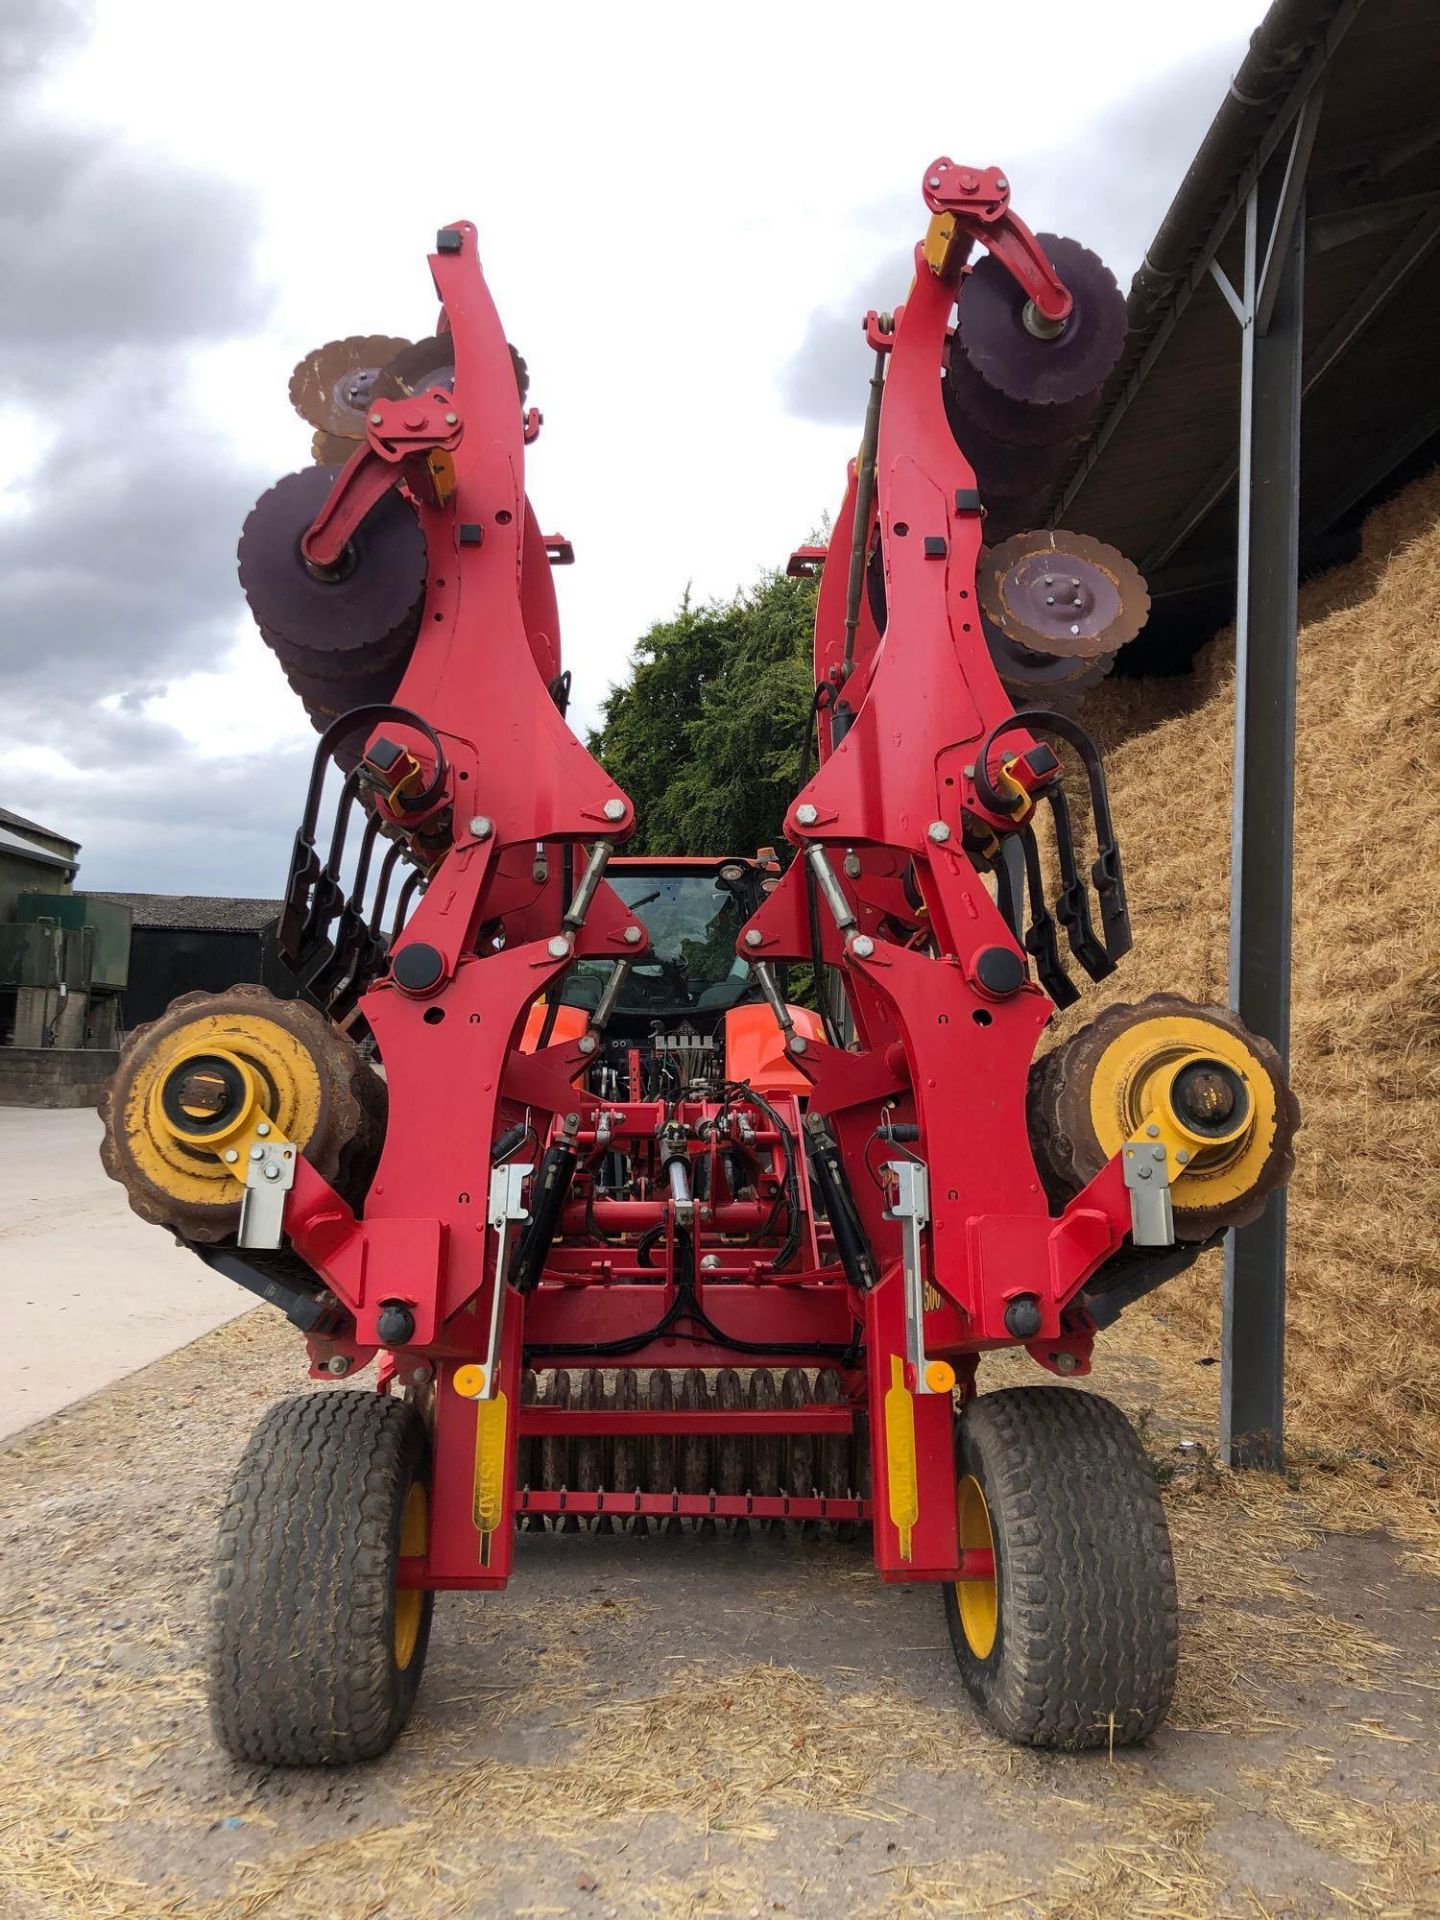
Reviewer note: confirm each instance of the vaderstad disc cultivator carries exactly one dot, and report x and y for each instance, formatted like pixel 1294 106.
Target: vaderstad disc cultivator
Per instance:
pixel 635 1241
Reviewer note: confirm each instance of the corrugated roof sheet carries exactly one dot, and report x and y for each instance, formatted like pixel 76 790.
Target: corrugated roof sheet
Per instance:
pixel 1155 475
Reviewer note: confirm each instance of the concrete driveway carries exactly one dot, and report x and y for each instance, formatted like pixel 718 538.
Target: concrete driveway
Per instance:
pixel 88 1293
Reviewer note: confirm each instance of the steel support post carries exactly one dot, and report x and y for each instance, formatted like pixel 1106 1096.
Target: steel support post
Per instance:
pixel 1253 1339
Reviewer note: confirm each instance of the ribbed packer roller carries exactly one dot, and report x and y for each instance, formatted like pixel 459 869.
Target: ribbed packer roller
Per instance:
pixel 212 1063
pixel 1187 1077
pixel 633 1481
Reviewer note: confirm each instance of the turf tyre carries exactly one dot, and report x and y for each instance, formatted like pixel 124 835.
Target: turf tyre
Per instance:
pixel 1086 1618
pixel 304 1664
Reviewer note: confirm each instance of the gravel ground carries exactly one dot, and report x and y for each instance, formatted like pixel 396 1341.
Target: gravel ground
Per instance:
pixel 692 1726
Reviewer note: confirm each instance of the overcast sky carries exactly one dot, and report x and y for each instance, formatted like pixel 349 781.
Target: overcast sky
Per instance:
pixel 683 213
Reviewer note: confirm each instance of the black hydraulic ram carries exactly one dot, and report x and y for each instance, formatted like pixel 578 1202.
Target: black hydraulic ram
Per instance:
pixel 550 1190
pixel 828 1171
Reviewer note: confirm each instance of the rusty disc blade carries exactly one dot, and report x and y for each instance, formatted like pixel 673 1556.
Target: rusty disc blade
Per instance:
pixel 331 449
pixel 1062 595
pixel 992 334
pixel 331 385
pixel 431 363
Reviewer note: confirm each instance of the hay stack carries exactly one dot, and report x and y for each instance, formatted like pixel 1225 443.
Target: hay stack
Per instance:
pixel 1364 1317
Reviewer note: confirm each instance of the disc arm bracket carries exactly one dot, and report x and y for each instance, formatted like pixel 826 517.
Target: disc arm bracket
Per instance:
pixel 973 204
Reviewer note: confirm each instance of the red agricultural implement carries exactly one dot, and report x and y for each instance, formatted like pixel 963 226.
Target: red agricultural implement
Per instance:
pixel 633 1240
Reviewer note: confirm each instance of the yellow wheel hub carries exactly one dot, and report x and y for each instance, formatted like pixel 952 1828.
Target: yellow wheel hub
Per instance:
pixel 1228 1130
pixel 977 1600
pixel 410 1601
pixel 242 1064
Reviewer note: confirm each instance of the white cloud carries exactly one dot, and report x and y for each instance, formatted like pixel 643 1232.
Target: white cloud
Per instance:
pixel 665 196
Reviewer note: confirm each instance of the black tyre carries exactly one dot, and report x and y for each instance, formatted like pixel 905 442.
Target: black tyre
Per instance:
pixel 315 1655
pixel 1073 1643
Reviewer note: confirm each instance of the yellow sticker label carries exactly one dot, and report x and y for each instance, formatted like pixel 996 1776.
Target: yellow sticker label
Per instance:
pixel 490 1423
pixel 901 1474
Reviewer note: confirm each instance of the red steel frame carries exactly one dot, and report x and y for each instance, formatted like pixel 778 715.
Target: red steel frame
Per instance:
pixel 933 1049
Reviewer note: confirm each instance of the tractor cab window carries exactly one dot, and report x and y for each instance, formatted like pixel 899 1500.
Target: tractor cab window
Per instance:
pixel 693 921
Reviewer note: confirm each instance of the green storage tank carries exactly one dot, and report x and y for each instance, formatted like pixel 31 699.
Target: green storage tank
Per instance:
pixel 108 924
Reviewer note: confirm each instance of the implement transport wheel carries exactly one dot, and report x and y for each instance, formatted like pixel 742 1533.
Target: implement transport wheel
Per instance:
pixel 1072 1642
pixel 315 1652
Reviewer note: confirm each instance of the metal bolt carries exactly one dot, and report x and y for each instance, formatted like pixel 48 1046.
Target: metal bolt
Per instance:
pixel 1075 630
pixel 1049 580
pixel 257 1153
pixel 377 419
pixel 481 827
pixel 420 1376
pixel 633 936
pixel 231 1154
pixel 933 183
pixel 338 1363
pixel 852 864
pixel 709 1261
pixel 263 1128
pixel 754 938
pixel 1143 1173
pixel 1002 185
pixel 1183 1155
pixel 559 946
pixel 1066 1363
pixel 1049 599
pixel 862 946
pixel 272 1173
pixel 797 1043
pixel 587 1043
pixel 614 809
pixel 1153 1131
pixel 806 815
pixel 939 832
pixel 451 419
pixel 1159 1153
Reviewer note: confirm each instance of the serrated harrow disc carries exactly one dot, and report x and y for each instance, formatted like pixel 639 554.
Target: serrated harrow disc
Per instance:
pixel 1053 680
pixel 431 363
pixel 1006 473
pixel 332 385
pixel 972 403
pixel 991 329
pixel 368 612
pixel 1062 595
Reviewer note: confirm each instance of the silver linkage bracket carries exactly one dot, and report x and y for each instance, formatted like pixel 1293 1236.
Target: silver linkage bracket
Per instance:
pixel 912 1209
pixel 1147 1181
pixel 507 1209
pixel 269 1176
